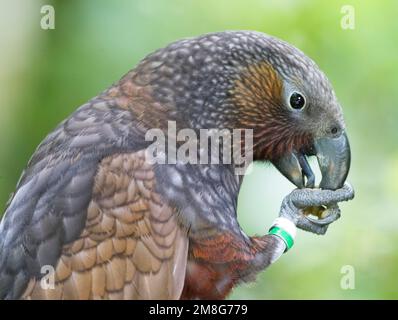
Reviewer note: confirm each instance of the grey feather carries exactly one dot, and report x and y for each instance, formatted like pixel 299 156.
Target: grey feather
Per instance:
pixel 48 209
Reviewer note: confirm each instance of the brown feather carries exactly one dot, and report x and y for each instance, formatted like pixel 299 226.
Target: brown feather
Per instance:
pixel 132 247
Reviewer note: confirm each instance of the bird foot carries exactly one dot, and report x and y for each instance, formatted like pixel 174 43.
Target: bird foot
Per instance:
pixel 301 204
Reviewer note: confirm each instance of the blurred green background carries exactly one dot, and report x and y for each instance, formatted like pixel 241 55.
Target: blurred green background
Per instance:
pixel 46 74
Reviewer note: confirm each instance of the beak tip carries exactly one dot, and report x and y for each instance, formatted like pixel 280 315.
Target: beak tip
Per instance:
pixel 334 159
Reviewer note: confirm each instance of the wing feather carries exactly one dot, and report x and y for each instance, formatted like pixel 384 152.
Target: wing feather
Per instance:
pixel 88 197
pixel 132 245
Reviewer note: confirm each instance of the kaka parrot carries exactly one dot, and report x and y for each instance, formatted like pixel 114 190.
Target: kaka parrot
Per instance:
pixel 111 224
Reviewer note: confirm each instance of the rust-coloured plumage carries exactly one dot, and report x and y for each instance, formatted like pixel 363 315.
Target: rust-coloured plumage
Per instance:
pixel 220 261
pixel 132 246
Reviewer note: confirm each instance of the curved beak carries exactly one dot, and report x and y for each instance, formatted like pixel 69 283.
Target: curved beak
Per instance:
pixel 334 159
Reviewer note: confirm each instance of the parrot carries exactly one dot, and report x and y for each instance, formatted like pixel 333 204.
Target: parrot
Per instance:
pixel 93 217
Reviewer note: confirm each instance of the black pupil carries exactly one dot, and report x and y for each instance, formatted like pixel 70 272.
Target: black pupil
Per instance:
pixel 297 101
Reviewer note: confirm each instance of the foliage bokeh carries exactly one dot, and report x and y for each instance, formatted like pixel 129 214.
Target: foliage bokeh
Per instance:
pixel 45 75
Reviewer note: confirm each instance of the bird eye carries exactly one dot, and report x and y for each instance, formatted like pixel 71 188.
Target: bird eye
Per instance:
pixel 297 100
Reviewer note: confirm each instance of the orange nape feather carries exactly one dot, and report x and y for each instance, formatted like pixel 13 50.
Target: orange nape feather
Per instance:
pixel 258 95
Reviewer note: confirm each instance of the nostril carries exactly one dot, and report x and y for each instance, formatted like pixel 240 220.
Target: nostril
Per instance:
pixel 335 130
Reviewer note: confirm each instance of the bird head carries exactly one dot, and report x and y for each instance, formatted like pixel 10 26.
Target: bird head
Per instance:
pixel 250 80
